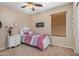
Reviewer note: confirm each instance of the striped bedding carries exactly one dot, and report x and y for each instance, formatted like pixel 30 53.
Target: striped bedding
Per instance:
pixel 36 40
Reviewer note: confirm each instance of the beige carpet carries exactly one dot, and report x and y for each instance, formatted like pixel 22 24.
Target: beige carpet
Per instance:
pixel 25 50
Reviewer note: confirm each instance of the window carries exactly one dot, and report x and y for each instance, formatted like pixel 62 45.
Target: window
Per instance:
pixel 58 24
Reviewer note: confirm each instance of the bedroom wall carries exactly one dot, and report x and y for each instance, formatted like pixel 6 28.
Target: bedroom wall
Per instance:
pixel 45 17
pixel 9 17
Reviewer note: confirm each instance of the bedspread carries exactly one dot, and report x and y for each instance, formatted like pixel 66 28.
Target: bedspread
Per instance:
pixel 35 39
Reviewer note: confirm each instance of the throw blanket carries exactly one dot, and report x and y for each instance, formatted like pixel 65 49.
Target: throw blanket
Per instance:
pixel 35 40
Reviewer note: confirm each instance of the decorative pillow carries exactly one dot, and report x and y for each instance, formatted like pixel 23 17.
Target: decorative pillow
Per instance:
pixel 30 32
pixel 26 32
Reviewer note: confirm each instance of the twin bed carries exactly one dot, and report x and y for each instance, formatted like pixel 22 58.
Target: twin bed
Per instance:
pixel 41 41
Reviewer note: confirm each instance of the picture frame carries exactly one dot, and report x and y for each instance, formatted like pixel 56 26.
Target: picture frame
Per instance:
pixel 40 24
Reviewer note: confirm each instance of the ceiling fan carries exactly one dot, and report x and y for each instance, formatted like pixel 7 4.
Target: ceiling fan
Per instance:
pixel 31 5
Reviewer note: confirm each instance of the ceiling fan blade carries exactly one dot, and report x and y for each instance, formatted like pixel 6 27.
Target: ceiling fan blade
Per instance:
pixel 33 9
pixel 38 5
pixel 24 6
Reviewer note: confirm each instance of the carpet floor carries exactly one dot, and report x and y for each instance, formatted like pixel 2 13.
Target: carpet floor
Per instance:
pixel 26 50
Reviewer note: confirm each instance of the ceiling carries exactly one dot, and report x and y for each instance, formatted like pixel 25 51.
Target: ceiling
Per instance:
pixel 46 6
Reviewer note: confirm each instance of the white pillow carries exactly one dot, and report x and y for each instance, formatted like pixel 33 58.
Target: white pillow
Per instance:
pixel 30 32
pixel 23 30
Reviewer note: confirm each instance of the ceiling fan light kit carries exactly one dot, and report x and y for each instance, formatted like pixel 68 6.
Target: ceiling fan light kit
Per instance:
pixel 31 5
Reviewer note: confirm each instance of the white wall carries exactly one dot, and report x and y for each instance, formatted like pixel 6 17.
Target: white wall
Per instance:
pixel 46 18
pixel 9 17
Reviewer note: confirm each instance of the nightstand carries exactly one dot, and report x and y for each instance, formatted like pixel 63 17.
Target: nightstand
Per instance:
pixel 13 40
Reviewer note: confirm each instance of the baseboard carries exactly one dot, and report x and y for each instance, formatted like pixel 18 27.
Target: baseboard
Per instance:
pixel 3 48
pixel 63 46
pixel 76 54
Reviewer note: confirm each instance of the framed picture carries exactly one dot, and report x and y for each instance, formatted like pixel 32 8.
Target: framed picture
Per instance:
pixel 40 24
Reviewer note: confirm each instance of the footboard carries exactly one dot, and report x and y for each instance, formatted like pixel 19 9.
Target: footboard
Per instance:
pixel 46 42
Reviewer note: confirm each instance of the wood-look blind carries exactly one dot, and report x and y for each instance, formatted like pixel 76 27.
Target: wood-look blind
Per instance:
pixel 58 24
